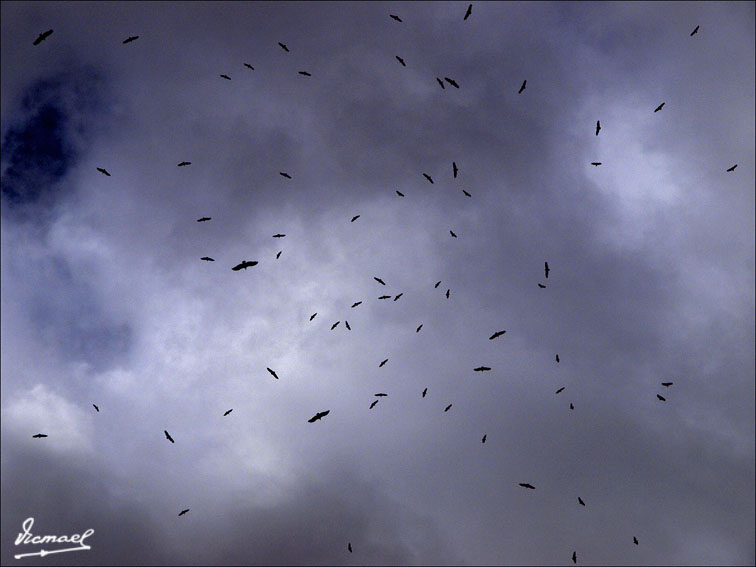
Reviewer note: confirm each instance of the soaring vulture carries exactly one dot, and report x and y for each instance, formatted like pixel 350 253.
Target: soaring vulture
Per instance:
pixel 279 235
pixel 733 168
pixel 661 398
pixel 284 174
pixel 95 407
pixel 312 316
pixel 244 265
pixel 183 163
pixel 385 297
pixel 522 88
pixel 557 358
pixel 335 325
pixel 425 391
pixel 635 539
pixel 183 512
pixel 349 545
pixel 596 163
pixel 694 32
pixel 667 384
pixel 418 329
pixel 437 283
pixel 130 39
pixel 469 11
pixel 400 60
pixel 541 286
pixel 42 37
pixel 250 66
pixel 496 334
pixel 398 19
pixel 452 82
pixel 207 259
pixel 546 269
pixel 598 126
pixel 39 436
pixel 447 293
pixel 560 389
pixel 225 77
pixel 571 406
pixel 400 193
pixel 373 404
pixel 283 46
pixel 103 171
pixel 305 73
pixel 379 280
pixel 354 218
pixel 428 177
pixel 581 501
pixel 317 416
pixel 398 296
pixel 452 233
pixel 484 439
pixel 658 108
pixel 440 82
pixel 356 303
pixel 168 436
pixel 279 254
pixel 204 219
pixel 481 369
pixel 574 557
pixel 527 485
pixel 448 408
pixel 228 412
pixel 382 363
pixel 273 372
pixel 454 169
pixel 347 325
pixel 380 395
pixel 466 193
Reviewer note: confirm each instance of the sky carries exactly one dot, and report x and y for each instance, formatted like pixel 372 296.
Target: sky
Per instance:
pixel 106 301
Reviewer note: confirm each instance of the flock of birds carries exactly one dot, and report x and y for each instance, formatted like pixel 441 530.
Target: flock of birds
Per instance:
pixel 244 264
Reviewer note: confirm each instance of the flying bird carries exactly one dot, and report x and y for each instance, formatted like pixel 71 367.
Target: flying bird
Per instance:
pixel 204 219
pixel 484 439
pixel 228 412
pixel 131 38
pixel 385 297
pixel 42 37
pixel 373 404
pixel 481 369
pixel 279 235
pixel 454 169
pixel 546 269
pixel 522 88
pixel 428 177
pixel 380 395
pixel 398 296
pixel 183 163
pixel 284 174
pixel 574 557
pixel 354 218
pixel 382 363
pixel 168 436
pixel 425 392
pixel 347 325
pixel 733 168
pixel 448 408
pixel 418 329
pixel 379 280
pixel 661 398
pixel 598 126
pixel 249 66
pixel 541 286
pixel 400 193
pixel 103 171
pixel 667 384
pixel 335 325
pixel 557 358
pixel 305 73
pixel 39 436
pixel 452 233
pixel 694 32
pixel 596 163
pixel 496 334
pixel 183 512
pixel 635 539
pixel 452 82
pixel 273 372
pixel 466 193
pixel 398 19
pixel 355 304
pixel 283 46
pixel 349 545
pixel 207 259
pixel 279 254
pixel 581 501
pixel 225 77
pixel 317 416
pixel 95 407
pixel 658 108
pixel 447 294
pixel 571 406
pixel 400 60
pixel 437 283
pixel 560 389
pixel 440 82
pixel 469 11
pixel 527 485
pixel 244 265
pixel 312 316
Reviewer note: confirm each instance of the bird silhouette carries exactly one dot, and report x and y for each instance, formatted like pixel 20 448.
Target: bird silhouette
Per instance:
pixel 279 254
pixel 661 398
pixel 733 168
pixel 574 557
pixel 131 38
pixel 695 31
pixel 379 280
pixel 319 415
pixel 437 283
pixel 168 436
pixel 398 19
pixel 284 174
pixel 356 303
pixel 103 171
pixel 667 384
pixel 481 369
pixel 527 485
pixel 546 269
pixel 228 412
pixel 452 233
pixel 484 439
pixel 354 218
pixel 559 390
pixel 635 540
pixel 522 88
pixel 541 286
pixel 469 11
pixel 418 329
pixel 400 193
pixel 454 169
pixel 448 408
pixel 658 108
pixel 347 325
pixel 244 265
pixel 335 325
pixel 249 66
pixel 452 82
pixel 39 436
pixel 279 235
pixel 557 358
pixel 225 77
pixel 598 126
pixel 207 259
pixel 398 296
pixel 466 193
pixel 312 316
pixel 596 163
pixel 273 372
pixel 380 395
pixel 204 219
pixel 373 404
pixel 305 73
pixel 283 46
pixel 400 60
pixel 581 501
pixel 496 334
pixel 183 512
pixel 95 407
pixel 571 406
pixel 382 363
pixel 385 297
pixel 349 545
pixel 428 177
pixel 425 392
pixel 447 293
pixel 440 82
pixel 42 37
pixel 183 163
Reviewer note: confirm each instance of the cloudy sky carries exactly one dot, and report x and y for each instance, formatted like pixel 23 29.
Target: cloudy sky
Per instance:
pixel 105 299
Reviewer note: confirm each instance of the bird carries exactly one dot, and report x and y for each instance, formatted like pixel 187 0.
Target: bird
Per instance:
pixel 168 436
pixel 466 193
pixel 279 235
pixel 379 280
pixel 347 325
pixel 596 163
pixel 454 169
pixel 481 369
pixel 273 372
pixel 228 412
pixel 574 557
pixel 571 406
pixel 447 294
pixel 560 389
pixel 380 395
pixel 400 193
pixel 354 218
pixel 527 485
pixel 452 233
pixel 546 269
pixel 42 37
pixel 398 296
pixel 385 297
pixel 448 408
pixel 319 415
pixel 428 177
pixel 557 358
pixel 469 11
pixel 398 19
pixel 658 108
pixel 183 163
pixel 335 325
pixel 732 168
pixel 183 512
pixel 418 329
pixel 400 60
pixel 305 73
pixel 349 545
pixel 225 77
pixel 39 436
pixel 95 407
pixel 581 501
pixel 382 363
pixel 667 384
pixel 437 283
pixel 496 334
pixel 356 303
pixel 522 88
pixel 279 254
pixel 541 286
pixel 373 404
pixel 598 126
pixel 204 219
pixel 452 82
pixel 440 82
pixel 284 174
pixel 103 171
pixel 635 539
pixel 249 66
pixel 695 31
pixel 484 439
pixel 131 38
pixel 312 316
pixel 425 392
pixel 245 264
pixel 283 46
pixel 661 398
pixel 207 259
